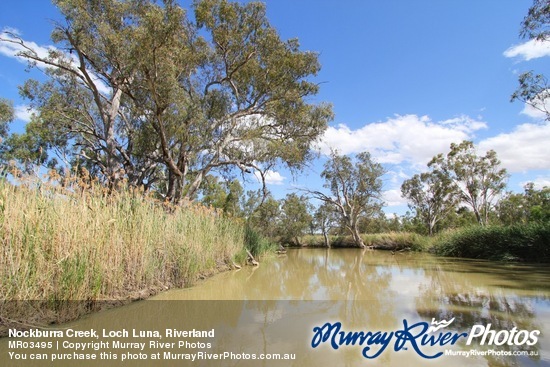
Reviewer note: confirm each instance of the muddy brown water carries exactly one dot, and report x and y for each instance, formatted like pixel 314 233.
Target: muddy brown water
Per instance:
pixel 276 309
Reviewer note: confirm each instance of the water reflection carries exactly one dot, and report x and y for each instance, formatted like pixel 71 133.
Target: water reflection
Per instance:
pixel 386 288
pixel 485 293
pixel 274 307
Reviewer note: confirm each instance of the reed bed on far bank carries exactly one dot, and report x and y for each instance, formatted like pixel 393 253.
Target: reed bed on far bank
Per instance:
pixel 73 248
pixel 525 242
pixel 394 241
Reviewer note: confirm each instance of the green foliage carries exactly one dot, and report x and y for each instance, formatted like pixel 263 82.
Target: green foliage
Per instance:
pixel 475 180
pixel 31 148
pixel 378 222
pixel 430 195
pixel 226 195
pixel 462 217
pixel 324 219
pixel 531 206
pixel 533 88
pixel 511 209
pixel 410 222
pixel 263 213
pixel 355 189
pixel 536 24
pixel 257 244
pixel 518 243
pixel 6 116
pixel 397 241
pixel 148 96
pixel 295 218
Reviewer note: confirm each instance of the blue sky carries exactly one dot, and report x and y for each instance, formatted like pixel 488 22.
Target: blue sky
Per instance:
pixel 406 78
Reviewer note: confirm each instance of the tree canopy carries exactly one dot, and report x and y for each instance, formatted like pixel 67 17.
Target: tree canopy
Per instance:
pixel 138 91
pixel 531 206
pixel 295 217
pixel 534 88
pixel 431 196
pixel 6 116
pixel 324 219
pixel 355 187
pixel 476 180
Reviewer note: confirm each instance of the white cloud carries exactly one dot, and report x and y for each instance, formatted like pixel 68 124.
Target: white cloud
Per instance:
pixel 396 177
pixel 532 49
pixel 10 46
pixel 12 30
pixel 540 182
pixel 408 142
pixel 525 148
pixel 271 177
pixel 393 197
pixel 410 139
pixel 274 178
pixel 24 113
pixel 538 107
pixel 535 113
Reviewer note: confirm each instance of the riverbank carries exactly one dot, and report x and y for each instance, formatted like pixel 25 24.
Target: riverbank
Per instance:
pixel 72 250
pixel 522 243
pixel 393 241
pixel 526 243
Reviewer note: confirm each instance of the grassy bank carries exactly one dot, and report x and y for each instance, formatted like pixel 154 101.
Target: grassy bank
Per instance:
pixel 512 243
pixel 395 241
pixel 78 244
pixel 530 243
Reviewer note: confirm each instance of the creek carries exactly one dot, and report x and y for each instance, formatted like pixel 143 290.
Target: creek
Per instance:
pixel 281 307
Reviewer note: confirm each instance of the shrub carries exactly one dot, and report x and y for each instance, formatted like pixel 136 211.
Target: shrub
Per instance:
pixel 256 243
pixel 529 242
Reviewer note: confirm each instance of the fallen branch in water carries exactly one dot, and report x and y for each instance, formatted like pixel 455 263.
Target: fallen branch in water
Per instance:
pixel 251 259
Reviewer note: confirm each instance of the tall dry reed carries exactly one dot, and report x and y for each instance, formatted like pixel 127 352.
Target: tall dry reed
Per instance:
pixel 74 242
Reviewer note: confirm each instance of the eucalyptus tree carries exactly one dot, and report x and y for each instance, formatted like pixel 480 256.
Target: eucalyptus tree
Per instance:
pixel 143 93
pixel 82 106
pixel 431 196
pixel 19 147
pixel 29 149
pixel 324 219
pixel 234 200
pixel 538 201
pixel 477 180
pixel 355 189
pixel 6 116
pixel 224 195
pixel 534 89
pixel 531 206
pixel 263 213
pixel 295 217
pixel 513 209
